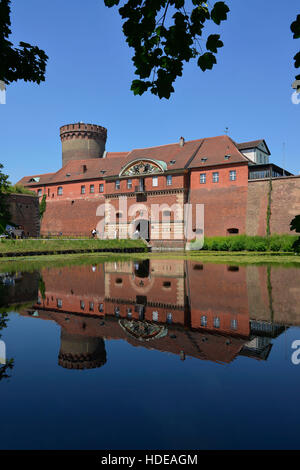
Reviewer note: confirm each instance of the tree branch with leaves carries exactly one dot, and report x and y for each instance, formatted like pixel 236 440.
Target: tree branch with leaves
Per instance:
pixel 164 36
pixel 23 62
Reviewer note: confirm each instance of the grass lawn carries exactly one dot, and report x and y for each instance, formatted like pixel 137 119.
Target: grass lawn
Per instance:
pixel 55 245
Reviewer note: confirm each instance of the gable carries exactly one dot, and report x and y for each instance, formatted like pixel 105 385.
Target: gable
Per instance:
pixel 143 167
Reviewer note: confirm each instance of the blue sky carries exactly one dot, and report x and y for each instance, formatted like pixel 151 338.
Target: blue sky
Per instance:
pixel 90 71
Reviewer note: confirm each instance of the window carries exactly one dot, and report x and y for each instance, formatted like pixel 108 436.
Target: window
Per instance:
pixel 48 192
pixel 217 322
pixel 100 308
pixel 154 181
pixel 59 191
pixel 167 284
pixel 129 184
pixel 101 188
pixel 59 303
pixel 169 180
pixel 91 306
pixel 169 318
pixel 233 324
pixel 216 177
pixel 166 213
pixel 82 189
pixel 117 311
pixel 82 305
pixel 39 192
pixel 92 188
pixel 231 231
pixel 129 313
pixel 117 184
pixel 204 320
pixel 155 316
pixel 198 267
pixel 232 175
pixel 202 178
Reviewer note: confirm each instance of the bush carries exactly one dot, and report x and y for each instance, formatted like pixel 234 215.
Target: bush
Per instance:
pixel 250 243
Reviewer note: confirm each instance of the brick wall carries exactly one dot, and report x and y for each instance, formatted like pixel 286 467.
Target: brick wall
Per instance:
pixel 224 202
pixel 71 218
pixel 24 210
pixel 285 204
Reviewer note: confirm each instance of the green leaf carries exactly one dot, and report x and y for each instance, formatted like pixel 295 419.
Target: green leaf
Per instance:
pixel 297 60
pixel 206 61
pixel 139 87
pixel 213 42
pixel 295 28
pixel 111 3
pixel 219 12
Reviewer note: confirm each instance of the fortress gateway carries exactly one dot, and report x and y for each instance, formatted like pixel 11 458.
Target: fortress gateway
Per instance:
pixel 235 181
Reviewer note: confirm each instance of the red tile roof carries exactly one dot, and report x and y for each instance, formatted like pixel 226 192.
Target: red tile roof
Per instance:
pixel 213 151
pixel 194 153
pixel 44 178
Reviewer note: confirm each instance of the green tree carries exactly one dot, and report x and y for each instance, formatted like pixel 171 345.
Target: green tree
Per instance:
pixel 10 362
pixel 4 211
pixel 23 62
pixel 295 225
pixel 295 28
pixel 42 206
pixel 164 35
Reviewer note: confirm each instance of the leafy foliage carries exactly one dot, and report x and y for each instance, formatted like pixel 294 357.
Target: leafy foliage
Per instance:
pixel 295 224
pixel 4 188
pixel 3 321
pixel 277 243
pixel 42 206
pixel 23 62
pixel 5 368
pixel 19 189
pixel 295 28
pixel 9 363
pixel 162 43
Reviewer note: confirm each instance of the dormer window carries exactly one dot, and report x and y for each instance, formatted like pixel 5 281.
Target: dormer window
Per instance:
pixel 203 159
pixel 68 174
pixel 172 162
pixel 227 157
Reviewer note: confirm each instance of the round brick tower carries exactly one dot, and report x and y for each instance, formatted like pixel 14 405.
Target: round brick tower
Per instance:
pixel 81 352
pixel 82 141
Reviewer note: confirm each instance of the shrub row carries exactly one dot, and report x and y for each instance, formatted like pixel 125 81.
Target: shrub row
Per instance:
pixel 247 243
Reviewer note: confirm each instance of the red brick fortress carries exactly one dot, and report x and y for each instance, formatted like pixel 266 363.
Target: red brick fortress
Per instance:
pixel 235 181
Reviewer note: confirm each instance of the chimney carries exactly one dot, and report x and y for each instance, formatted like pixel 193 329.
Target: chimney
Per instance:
pixel 181 141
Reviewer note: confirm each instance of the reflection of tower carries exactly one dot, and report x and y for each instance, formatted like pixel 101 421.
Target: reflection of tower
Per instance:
pixel 81 352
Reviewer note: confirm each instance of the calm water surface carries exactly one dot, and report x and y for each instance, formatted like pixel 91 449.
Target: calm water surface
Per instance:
pixel 153 354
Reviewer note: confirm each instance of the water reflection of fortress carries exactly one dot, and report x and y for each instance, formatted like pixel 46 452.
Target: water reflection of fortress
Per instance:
pixel 210 312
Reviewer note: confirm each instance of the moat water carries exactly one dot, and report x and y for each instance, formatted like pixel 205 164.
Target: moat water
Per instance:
pixel 150 354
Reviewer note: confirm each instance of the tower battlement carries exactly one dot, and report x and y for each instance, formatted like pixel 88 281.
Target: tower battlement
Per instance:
pixel 82 141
